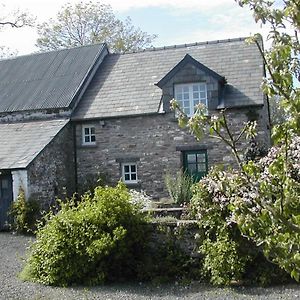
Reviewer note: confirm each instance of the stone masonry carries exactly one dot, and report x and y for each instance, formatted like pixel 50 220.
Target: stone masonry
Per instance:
pixel 155 142
pixel 52 173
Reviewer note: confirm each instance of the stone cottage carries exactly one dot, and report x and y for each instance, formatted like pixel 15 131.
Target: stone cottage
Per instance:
pixel 67 115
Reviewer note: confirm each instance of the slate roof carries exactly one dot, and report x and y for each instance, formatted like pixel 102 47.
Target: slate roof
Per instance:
pixel 21 142
pixel 125 83
pixel 47 80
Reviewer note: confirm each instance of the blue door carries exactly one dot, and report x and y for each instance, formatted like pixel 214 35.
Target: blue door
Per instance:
pixel 6 198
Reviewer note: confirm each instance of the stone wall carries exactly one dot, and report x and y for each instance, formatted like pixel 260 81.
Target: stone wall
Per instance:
pixel 52 173
pixel 155 143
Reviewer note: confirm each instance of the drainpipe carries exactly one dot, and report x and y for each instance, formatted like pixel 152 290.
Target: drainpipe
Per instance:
pixel 75 156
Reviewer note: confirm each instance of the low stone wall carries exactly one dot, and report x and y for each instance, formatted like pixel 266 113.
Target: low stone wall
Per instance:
pixel 180 233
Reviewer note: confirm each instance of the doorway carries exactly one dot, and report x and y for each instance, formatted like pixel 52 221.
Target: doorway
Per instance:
pixel 6 198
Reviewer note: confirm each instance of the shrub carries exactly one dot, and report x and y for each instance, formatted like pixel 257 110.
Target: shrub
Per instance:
pixel 24 214
pixel 97 240
pixel 267 208
pixel 228 255
pixel 179 187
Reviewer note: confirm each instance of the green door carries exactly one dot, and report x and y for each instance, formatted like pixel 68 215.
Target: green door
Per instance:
pixel 195 163
pixel 6 198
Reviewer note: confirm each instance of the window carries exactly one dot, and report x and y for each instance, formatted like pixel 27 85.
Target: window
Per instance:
pixel 195 163
pixel 88 135
pixel 189 95
pixel 129 173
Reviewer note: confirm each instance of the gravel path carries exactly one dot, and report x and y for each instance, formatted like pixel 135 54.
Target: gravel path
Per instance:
pixel 13 249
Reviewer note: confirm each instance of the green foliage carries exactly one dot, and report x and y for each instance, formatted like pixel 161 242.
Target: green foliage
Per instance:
pixel 180 187
pixel 99 239
pixel 90 23
pixel 224 259
pixel 277 112
pixel 267 208
pixel 222 262
pixel 282 59
pixel 229 253
pixel 24 213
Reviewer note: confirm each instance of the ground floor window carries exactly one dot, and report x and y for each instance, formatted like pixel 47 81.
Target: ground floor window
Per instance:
pixel 129 172
pixel 195 163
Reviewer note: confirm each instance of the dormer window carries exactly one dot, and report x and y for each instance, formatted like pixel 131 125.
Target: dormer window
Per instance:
pixel 188 95
pixel 88 135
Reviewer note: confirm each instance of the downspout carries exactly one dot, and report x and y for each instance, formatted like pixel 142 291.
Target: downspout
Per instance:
pixel 75 156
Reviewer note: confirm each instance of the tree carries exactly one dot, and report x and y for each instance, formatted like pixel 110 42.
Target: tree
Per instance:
pixel 282 59
pixel 14 19
pixel 89 23
pixel 277 112
pixel 266 205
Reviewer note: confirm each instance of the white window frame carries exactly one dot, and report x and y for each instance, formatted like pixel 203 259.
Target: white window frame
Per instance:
pixel 89 135
pixel 130 181
pixel 191 98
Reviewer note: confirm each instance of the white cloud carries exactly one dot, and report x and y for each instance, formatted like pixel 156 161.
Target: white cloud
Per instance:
pixel 193 5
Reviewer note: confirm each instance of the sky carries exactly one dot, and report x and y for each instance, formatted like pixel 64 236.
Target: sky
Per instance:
pixel 174 21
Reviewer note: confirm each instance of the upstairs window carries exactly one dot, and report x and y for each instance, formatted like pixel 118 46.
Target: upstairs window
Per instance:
pixel 88 135
pixel 189 95
pixel 129 173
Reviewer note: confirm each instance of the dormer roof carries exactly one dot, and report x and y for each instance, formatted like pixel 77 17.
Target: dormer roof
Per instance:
pixel 188 59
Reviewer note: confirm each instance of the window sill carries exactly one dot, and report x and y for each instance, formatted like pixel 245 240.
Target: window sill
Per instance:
pixel 132 184
pixel 88 146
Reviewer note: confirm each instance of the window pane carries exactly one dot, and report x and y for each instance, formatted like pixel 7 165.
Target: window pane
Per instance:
pixel 93 138
pixel 191 158
pixel 86 131
pixel 186 96
pixel 187 111
pixel 195 87
pixel 126 177
pixel 4 184
pixel 201 167
pixel 133 169
pixel 133 176
pixel 185 89
pixel 87 139
pixel 201 157
pixel 186 103
pixel 202 95
pixel 192 168
pixel 178 96
pixel 126 169
pixel 196 95
pixel 92 130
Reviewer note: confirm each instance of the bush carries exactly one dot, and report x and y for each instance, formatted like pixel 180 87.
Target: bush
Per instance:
pixel 24 214
pixel 228 255
pixel 267 208
pixel 179 187
pixel 99 239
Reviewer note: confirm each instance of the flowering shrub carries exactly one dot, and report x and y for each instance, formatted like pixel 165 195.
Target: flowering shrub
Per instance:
pixel 267 207
pixel 220 240
pixel 141 199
